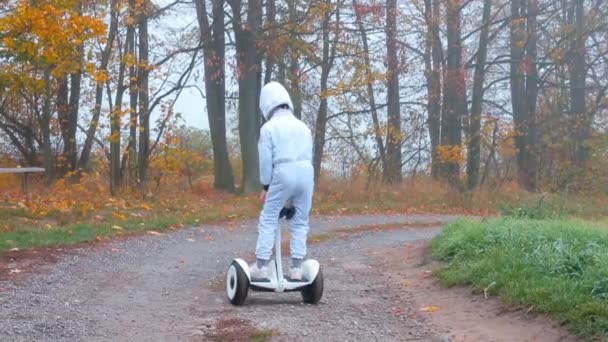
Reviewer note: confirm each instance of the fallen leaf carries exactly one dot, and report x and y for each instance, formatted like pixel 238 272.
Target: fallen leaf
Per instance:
pixel 14 249
pixel 115 227
pixel 151 232
pixel 431 308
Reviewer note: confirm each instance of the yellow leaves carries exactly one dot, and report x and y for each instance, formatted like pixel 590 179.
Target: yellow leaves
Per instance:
pixel 119 216
pixel 450 154
pixel 430 308
pixel 115 137
pixel 48 33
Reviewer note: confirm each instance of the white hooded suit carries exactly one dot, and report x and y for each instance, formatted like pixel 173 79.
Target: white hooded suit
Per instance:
pixel 285 154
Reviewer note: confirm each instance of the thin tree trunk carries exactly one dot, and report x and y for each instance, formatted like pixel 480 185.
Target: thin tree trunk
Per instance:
pixel 103 66
pixel 578 86
pixel 329 52
pixel 73 108
pixel 144 100
pixel 433 64
pixel 370 90
pixel 115 125
pixel 294 72
pixel 473 160
pixel 45 126
pixel 393 144
pixel 532 88
pixel 63 116
pixel 486 168
pixel 133 98
pixel 271 12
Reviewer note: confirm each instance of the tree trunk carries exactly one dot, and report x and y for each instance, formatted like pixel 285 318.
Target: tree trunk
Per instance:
pixel 578 72
pixel 532 88
pixel 393 142
pixel 370 90
pixel 103 66
pixel 271 11
pixel 144 100
pixel 246 35
pixel 474 150
pixel 133 98
pixel 454 93
pixel 212 40
pixel 524 89
pixel 71 150
pixel 294 65
pixel 115 136
pixel 63 116
pixel 433 64
pixel 45 127
pixel 329 52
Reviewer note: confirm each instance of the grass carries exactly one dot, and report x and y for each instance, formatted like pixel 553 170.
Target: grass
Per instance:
pixel 554 266
pixel 84 212
pixel 261 336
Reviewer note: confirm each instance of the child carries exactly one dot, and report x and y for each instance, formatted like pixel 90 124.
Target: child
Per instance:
pixel 286 172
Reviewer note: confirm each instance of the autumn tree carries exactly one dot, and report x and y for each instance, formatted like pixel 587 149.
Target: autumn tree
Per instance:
pixel 45 60
pixel 454 99
pixel 474 146
pixel 247 32
pixel 524 88
pixel 213 43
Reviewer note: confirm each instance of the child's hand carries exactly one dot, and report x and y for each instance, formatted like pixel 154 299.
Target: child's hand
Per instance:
pixel 263 196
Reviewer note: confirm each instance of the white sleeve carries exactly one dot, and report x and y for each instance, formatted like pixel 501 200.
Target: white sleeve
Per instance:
pixel 265 156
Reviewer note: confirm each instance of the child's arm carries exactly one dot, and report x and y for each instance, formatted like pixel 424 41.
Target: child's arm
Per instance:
pixel 265 157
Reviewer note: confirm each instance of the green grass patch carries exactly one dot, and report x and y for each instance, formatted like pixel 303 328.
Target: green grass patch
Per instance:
pixel 81 232
pixel 32 236
pixel 559 267
pixel 261 336
pixel 11 213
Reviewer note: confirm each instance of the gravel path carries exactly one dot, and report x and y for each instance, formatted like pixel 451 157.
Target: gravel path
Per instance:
pixel 169 287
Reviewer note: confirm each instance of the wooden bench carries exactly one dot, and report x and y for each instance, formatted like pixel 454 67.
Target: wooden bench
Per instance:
pixel 24 171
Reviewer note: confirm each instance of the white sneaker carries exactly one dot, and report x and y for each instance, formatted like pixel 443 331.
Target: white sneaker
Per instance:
pixel 295 273
pixel 259 273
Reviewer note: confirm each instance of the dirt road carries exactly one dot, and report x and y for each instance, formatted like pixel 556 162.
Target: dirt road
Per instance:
pixel 170 287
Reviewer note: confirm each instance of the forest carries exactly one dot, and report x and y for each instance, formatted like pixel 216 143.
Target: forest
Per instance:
pixel 473 93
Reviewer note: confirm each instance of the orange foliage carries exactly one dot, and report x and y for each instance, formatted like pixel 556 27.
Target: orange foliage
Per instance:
pixel 450 154
pixel 47 33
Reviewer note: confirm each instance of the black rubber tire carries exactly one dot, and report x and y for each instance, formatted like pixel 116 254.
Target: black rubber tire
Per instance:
pixel 312 293
pixel 239 283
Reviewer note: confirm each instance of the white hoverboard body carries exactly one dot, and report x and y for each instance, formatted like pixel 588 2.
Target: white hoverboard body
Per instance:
pixel 239 281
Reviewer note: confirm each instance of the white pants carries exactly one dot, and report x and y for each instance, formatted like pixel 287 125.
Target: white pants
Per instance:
pixel 291 182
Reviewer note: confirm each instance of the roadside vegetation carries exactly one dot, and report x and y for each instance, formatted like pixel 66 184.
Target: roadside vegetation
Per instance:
pixel 535 258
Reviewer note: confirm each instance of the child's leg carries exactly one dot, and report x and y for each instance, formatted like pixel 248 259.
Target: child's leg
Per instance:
pixel 299 224
pixel 268 223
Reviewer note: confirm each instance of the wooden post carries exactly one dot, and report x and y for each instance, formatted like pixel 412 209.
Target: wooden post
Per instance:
pixel 24 177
